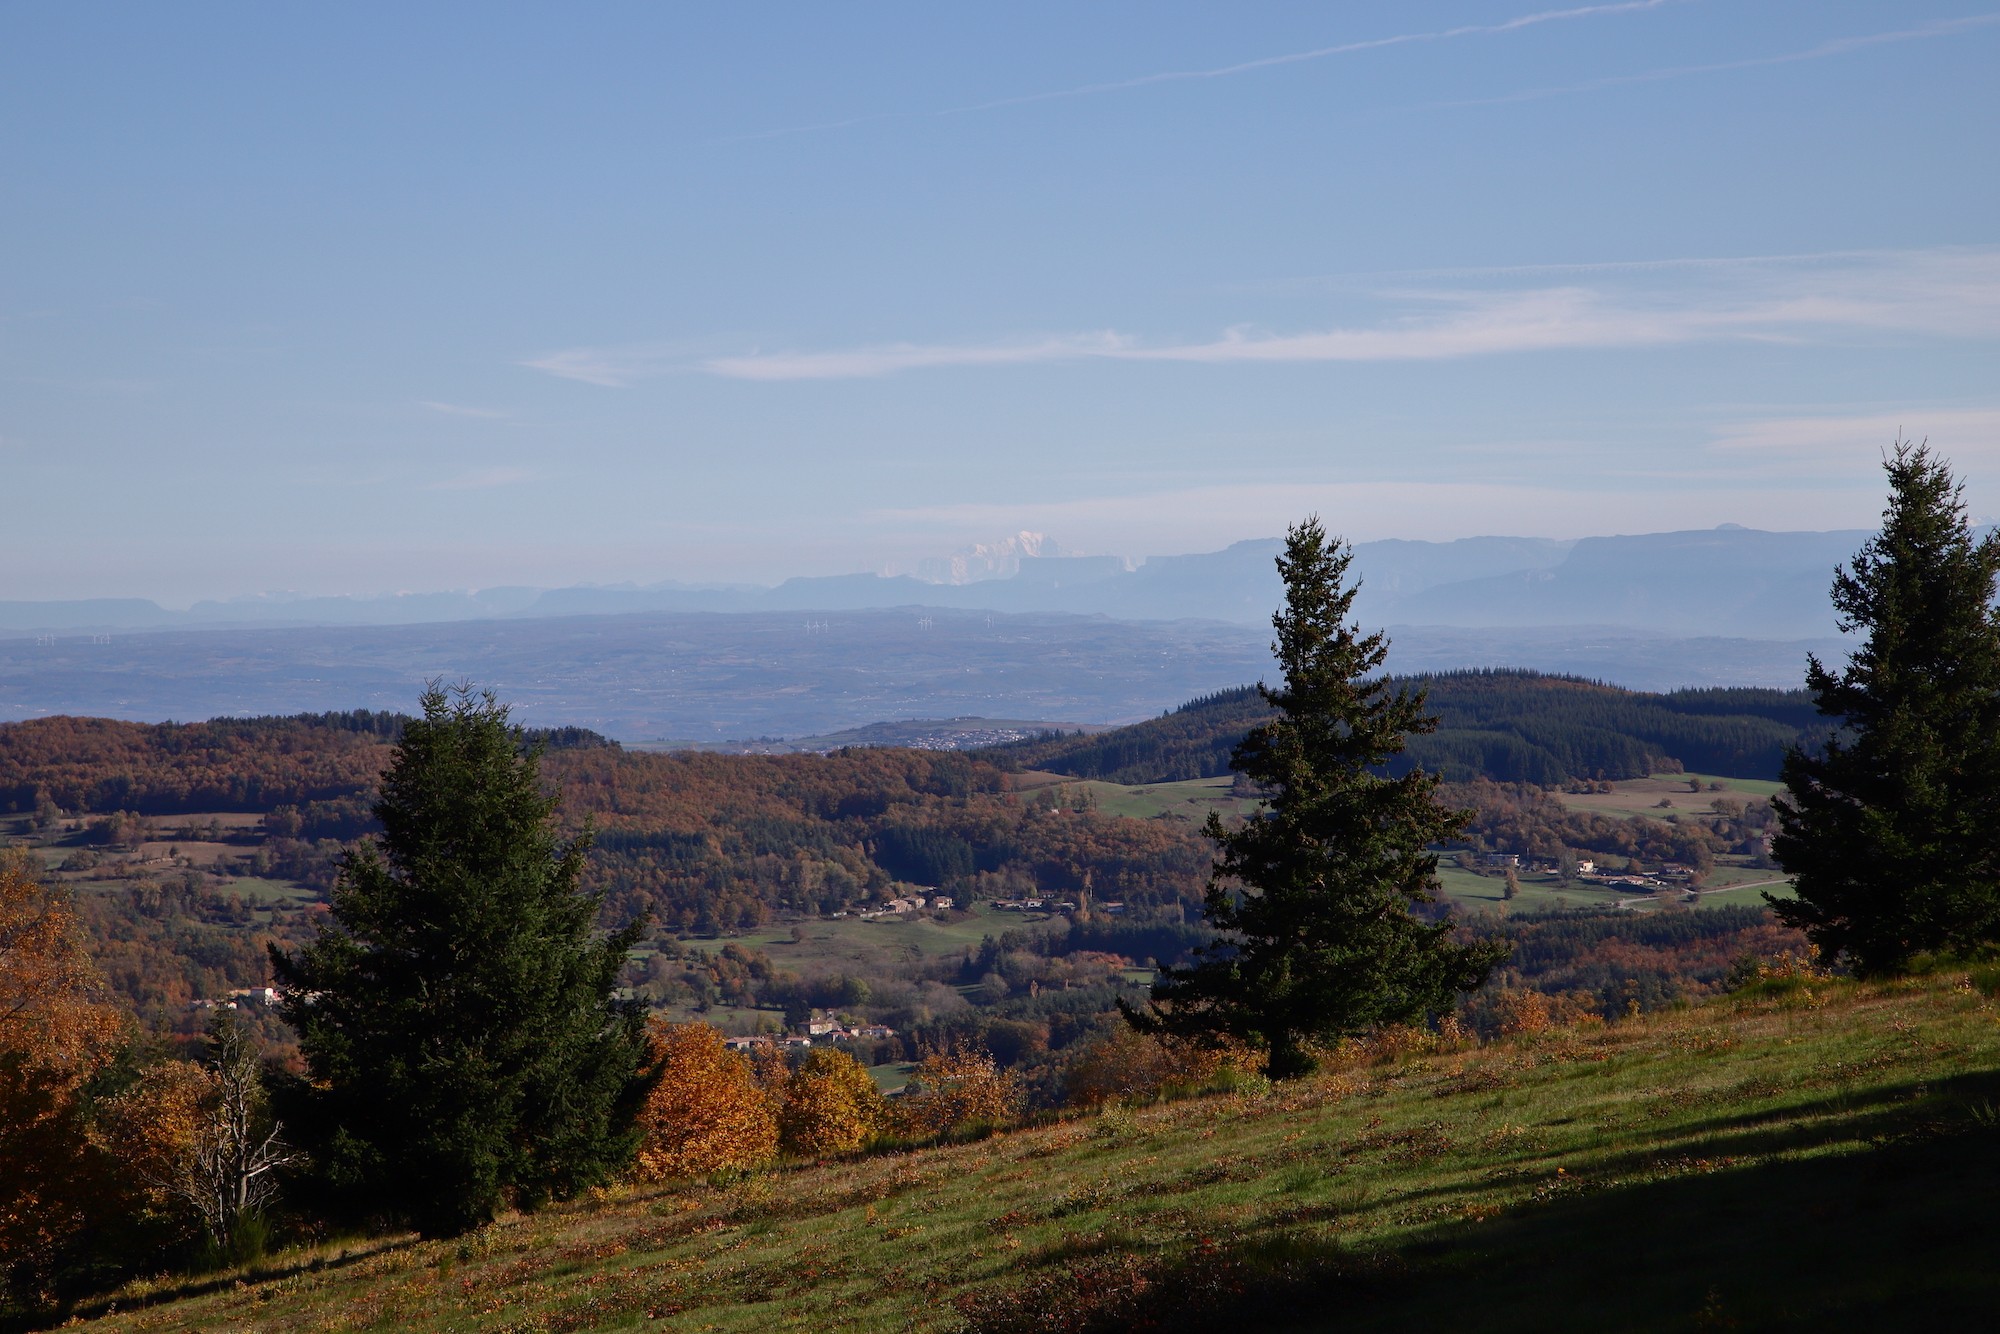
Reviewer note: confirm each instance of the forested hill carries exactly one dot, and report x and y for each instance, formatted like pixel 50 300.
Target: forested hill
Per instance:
pixel 97 765
pixel 1511 726
pixel 702 843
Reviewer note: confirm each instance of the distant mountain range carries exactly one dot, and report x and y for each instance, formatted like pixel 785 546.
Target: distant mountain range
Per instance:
pixel 1728 582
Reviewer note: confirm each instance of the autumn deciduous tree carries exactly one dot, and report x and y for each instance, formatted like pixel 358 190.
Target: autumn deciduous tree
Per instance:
pixel 153 1128
pixel 458 1016
pixel 708 1113
pixel 1892 830
pixel 831 1105
pixel 55 1034
pixel 200 1139
pixel 1313 893
pixel 956 1090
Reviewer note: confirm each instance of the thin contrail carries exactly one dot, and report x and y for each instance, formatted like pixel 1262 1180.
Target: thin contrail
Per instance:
pixel 1838 46
pixel 1225 71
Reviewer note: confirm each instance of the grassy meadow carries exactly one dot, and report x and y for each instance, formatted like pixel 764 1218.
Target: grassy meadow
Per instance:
pixel 1808 1154
pixel 1191 799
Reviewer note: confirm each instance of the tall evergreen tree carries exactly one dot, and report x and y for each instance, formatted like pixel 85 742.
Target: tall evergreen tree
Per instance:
pixel 457 1016
pixel 1892 828
pixel 1313 894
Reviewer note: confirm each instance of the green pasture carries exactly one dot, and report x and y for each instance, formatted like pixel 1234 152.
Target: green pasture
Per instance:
pixel 870 948
pixel 267 892
pixel 1192 799
pixel 1488 892
pixel 1745 787
pixel 1811 1154
pixel 1642 796
pixel 892 1077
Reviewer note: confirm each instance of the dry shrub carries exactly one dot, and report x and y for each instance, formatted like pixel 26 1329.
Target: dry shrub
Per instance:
pixel 1575 1013
pixel 1453 1034
pixel 1133 1067
pixel 1396 1042
pixel 953 1091
pixel 1528 1012
pixel 1521 1013
pixel 831 1105
pixel 708 1113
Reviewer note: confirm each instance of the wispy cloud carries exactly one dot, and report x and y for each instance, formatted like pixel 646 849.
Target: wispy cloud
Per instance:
pixel 1839 46
pixel 459 410
pixel 611 368
pixel 1960 432
pixel 1232 70
pixel 1949 293
pixel 617 366
pixel 486 479
pixel 862 363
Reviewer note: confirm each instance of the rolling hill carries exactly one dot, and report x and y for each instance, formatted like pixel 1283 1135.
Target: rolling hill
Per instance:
pixel 1509 726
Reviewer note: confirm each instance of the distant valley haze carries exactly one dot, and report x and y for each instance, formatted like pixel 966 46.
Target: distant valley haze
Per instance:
pixel 1728 580
pixel 1047 639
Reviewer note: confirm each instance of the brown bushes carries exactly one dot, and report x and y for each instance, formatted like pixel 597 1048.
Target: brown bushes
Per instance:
pixel 1129 1067
pixel 956 1091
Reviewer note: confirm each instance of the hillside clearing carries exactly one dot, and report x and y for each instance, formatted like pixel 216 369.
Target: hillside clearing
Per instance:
pixel 1816 1151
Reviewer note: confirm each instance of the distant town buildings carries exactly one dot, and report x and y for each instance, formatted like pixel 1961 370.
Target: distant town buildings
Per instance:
pixel 1041 905
pixel 907 903
pixel 823 1028
pixel 242 998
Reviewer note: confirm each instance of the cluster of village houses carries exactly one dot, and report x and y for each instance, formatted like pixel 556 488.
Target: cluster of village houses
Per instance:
pixel 822 1029
pixel 946 903
pixel 1049 905
pixel 1587 870
pixel 907 904
pixel 240 999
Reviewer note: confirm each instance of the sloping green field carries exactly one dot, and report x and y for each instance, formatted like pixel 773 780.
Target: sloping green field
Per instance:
pixel 1818 1154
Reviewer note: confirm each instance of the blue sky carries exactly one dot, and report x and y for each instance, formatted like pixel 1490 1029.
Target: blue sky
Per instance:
pixel 355 298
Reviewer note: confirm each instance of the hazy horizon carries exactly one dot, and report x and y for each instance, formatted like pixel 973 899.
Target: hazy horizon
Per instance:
pixel 912 569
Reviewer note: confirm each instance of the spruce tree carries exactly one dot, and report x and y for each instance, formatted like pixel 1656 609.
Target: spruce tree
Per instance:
pixel 457 1016
pixel 1312 895
pixel 1892 829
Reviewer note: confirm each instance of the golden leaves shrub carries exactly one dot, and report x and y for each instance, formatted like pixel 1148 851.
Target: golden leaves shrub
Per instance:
pixel 955 1090
pixel 1522 1013
pixel 708 1113
pixel 1133 1067
pixel 831 1105
pixel 154 1129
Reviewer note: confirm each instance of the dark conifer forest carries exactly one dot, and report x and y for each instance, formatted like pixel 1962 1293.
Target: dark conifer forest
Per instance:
pixel 1509 726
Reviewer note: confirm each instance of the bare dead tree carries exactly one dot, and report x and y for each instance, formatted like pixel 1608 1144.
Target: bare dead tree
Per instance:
pixel 232 1174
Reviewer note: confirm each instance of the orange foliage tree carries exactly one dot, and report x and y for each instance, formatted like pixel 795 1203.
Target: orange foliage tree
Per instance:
pixel 708 1113
pixel 199 1141
pixel 956 1090
pixel 55 1033
pixel 154 1129
pixel 831 1105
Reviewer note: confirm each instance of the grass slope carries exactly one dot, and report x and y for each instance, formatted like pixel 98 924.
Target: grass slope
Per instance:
pixel 1816 1153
